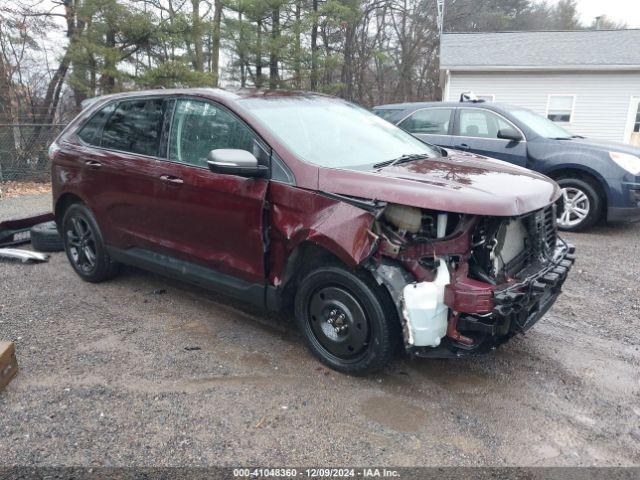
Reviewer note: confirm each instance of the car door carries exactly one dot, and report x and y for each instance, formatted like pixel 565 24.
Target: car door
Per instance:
pixel 476 130
pixel 131 136
pixel 120 158
pixel 432 125
pixel 210 219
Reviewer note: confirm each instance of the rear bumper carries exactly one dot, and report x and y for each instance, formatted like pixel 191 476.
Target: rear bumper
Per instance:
pixel 622 214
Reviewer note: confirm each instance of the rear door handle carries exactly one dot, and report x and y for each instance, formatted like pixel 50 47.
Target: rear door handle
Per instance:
pixel 463 146
pixel 171 179
pixel 92 164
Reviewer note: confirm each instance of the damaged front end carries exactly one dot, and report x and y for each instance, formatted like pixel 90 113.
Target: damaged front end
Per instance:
pixel 464 284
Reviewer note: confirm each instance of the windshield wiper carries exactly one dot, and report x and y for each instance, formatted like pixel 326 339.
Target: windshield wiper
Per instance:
pixel 561 138
pixel 401 159
pixel 577 136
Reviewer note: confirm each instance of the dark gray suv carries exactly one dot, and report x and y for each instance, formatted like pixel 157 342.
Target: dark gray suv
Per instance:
pixel 600 180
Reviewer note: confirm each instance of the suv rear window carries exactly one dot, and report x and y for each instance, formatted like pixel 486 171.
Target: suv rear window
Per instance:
pixel 135 126
pixel 90 132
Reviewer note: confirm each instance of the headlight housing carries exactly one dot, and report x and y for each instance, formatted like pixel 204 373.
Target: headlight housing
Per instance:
pixel 629 162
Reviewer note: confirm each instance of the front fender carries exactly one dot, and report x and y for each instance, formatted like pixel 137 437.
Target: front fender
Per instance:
pixel 297 215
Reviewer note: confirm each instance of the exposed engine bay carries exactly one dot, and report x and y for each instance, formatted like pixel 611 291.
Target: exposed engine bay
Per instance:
pixel 465 284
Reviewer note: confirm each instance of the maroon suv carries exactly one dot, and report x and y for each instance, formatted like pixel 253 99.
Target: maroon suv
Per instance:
pixel 306 202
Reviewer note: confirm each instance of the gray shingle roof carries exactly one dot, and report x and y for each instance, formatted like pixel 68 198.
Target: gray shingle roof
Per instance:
pixel 586 48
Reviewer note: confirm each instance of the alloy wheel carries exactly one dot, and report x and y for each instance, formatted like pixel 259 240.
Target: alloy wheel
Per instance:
pixel 82 245
pixel 575 207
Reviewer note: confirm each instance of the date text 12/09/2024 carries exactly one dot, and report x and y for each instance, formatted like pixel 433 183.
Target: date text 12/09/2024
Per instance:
pixel 316 473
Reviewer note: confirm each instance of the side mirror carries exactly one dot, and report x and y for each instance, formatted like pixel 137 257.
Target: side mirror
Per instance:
pixel 232 161
pixel 509 134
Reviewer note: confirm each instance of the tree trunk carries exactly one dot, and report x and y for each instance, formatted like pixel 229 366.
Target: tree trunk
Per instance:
pixel 275 47
pixel 297 60
pixel 258 80
pixel 314 47
pixel 241 50
pixel 198 56
pixel 346 76
pixel 107 80
pixel 215 41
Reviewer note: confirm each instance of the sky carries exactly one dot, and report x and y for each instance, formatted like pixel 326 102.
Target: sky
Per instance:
pixel 627 11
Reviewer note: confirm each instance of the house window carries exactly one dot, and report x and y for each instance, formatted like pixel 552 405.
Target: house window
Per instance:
pixel 560 108
pixel 489 98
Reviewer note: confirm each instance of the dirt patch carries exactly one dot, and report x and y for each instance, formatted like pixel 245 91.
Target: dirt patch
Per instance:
pixel 393 413
pixel 16 189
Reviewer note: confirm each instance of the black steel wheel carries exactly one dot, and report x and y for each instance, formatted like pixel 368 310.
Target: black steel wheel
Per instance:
pixel 84 246
pixel 347 320
pixel 338 322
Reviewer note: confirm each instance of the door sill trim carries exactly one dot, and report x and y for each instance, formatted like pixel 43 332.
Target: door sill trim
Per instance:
pixel 253 293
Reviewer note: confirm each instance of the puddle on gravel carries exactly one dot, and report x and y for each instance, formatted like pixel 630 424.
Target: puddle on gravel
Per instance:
pixel 394 413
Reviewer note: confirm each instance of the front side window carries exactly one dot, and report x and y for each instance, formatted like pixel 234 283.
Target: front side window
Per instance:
pixel 540 125
pixel 199 127
pixel 481 123
pixel 135 127
pixel 433 121
pixel 333 133
pixel 560 108
pixel 90 132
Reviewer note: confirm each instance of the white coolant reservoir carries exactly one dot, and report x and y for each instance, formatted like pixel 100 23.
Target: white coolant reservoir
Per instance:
pixel 425 311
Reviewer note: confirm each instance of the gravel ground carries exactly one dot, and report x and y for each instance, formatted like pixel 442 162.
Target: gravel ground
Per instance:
pixel 24 205
pixel 143 370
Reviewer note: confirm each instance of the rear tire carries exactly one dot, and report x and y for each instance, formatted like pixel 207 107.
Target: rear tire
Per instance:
pixel 584 207
pixel 45 237
pixel 84 245
pixel 348 321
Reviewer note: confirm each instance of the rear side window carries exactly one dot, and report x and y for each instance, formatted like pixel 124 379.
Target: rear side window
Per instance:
pixel 135 126
pixel 433 121
pixel 481 123
pixel 90 132
pixel 199 127
pixel 385 113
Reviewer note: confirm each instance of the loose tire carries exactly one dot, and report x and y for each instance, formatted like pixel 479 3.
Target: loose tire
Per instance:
pixel 347 320
pixel 580 206
pixel 45 237
pixel 84 245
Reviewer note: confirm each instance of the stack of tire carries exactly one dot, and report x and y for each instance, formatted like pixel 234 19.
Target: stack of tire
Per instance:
pixel 45 237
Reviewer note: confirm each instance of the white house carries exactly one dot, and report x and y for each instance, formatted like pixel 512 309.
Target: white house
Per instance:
pixel 587 81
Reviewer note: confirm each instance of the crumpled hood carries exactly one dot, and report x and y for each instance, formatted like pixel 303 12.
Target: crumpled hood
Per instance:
pixel 460 182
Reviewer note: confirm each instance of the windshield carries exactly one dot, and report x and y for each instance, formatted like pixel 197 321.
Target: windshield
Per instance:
pixel 334 133
pixel 540 125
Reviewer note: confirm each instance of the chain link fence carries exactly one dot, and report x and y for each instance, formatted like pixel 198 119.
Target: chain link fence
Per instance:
pixel 24 151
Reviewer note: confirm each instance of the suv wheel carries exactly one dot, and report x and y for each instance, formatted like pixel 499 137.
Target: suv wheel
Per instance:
pixel 346 320
pixel 45 237
pixel 84 246
pixel 580 206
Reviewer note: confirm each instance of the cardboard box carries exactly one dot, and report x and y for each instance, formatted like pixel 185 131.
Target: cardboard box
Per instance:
pixel 8 363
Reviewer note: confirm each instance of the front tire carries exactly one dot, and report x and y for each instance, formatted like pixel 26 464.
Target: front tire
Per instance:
pixel 84 245
pixel 580 206
pixel 348 321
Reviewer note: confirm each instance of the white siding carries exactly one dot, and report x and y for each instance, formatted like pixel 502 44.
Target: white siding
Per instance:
pixel 602 99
